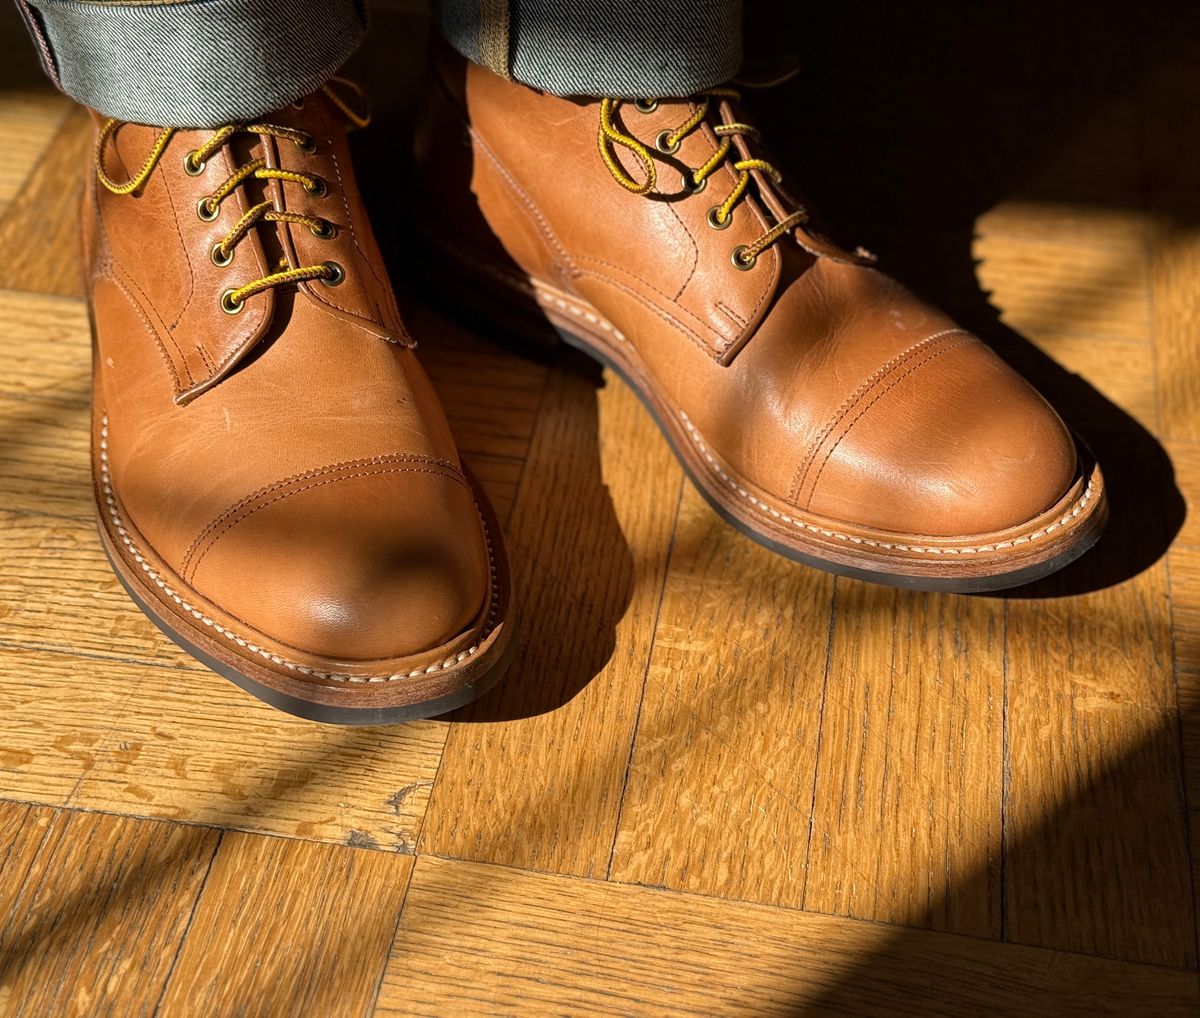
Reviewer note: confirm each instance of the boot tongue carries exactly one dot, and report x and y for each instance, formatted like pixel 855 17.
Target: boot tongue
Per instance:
pixel 781 204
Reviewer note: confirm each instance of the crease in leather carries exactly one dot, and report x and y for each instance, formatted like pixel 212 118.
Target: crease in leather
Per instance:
pixel 310 479
pixel 907 370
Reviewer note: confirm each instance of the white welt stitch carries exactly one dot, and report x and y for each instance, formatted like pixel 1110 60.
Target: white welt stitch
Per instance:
pixel 1076 509
pixel 590 317
pixel 275 658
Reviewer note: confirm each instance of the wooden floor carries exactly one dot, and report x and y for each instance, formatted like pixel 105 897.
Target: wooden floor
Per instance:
pixel 713 782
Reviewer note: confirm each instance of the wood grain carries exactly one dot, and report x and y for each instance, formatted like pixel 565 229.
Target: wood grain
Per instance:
pixel 29 119
pixel 486 940
pixel 288 927
pixel 42 222
pixel 93 909
pixel 720 782
pixel 906 816
pixel 58 712
pixel 532 775
pixel 191 746
pixel 1095 833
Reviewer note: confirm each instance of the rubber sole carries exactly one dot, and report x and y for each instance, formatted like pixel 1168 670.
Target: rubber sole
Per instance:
pixel 505 301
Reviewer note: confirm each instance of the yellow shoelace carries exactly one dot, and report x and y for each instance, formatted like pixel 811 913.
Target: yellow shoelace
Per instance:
pixel 668 142
pixel 233 300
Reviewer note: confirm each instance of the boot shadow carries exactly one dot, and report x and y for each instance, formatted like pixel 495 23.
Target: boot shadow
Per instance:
pixel 911 124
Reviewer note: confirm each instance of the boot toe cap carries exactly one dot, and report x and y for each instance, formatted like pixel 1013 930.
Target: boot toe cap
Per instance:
pixel 370 567
pixel 962 447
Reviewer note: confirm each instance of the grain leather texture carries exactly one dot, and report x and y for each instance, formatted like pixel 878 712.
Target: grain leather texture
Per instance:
pixel 811 388
pixel 281 479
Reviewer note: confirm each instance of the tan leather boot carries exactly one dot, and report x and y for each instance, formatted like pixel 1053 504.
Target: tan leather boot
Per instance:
pixel 819 406
pixel 276 483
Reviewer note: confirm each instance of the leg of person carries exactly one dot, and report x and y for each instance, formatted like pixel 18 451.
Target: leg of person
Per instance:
pixel 819 406
pixel 275 481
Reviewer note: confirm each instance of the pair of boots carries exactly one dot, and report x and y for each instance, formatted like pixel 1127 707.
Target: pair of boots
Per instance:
pixel 276 483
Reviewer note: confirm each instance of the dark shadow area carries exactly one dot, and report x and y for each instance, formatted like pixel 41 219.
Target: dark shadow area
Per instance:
pixel 908 122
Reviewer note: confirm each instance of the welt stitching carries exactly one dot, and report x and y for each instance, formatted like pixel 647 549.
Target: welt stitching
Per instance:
pixel 863 411
pixel 305 475
pixel 215 538
pixel 1080 504
pixel 848 403
pixel 486 628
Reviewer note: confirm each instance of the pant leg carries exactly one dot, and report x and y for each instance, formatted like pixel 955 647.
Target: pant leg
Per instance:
pixel 192 63
pixel 618 48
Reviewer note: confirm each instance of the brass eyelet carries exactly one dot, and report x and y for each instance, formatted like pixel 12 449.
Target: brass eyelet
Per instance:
pixel 230 306
pixel 221 260
pixel 715 220
pixel 646 105
pixel 192 166
pixel 298 104
pixel 318 190
pixel 690 185
pixel 307 144
pixel 739 259
pixel 326 231
pixel 663 143
pixel 206 211
pixel 336 274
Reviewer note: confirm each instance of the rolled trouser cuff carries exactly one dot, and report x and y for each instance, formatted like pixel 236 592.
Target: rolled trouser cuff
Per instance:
pixel 649 49
pixel 193 63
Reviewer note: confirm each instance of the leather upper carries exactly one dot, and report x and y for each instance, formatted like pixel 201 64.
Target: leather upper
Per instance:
pixel 289 463
pixel 816 379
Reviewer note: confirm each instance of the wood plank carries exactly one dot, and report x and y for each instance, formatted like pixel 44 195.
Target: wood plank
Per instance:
pixel 57 592
pixel 1185 458
pixel 1066 288
pixel 532 774
pixel 1120 370
pixel 46 347
pixel 289 928
pixel 191 746
pixel 42 222
pixel 1184 566
pixel 1095 837
pixel 29 119
pixel 720 783
pixel 66 706
pixel 486 940
pixel 93 909
pixel 129 738
pixel 906 819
